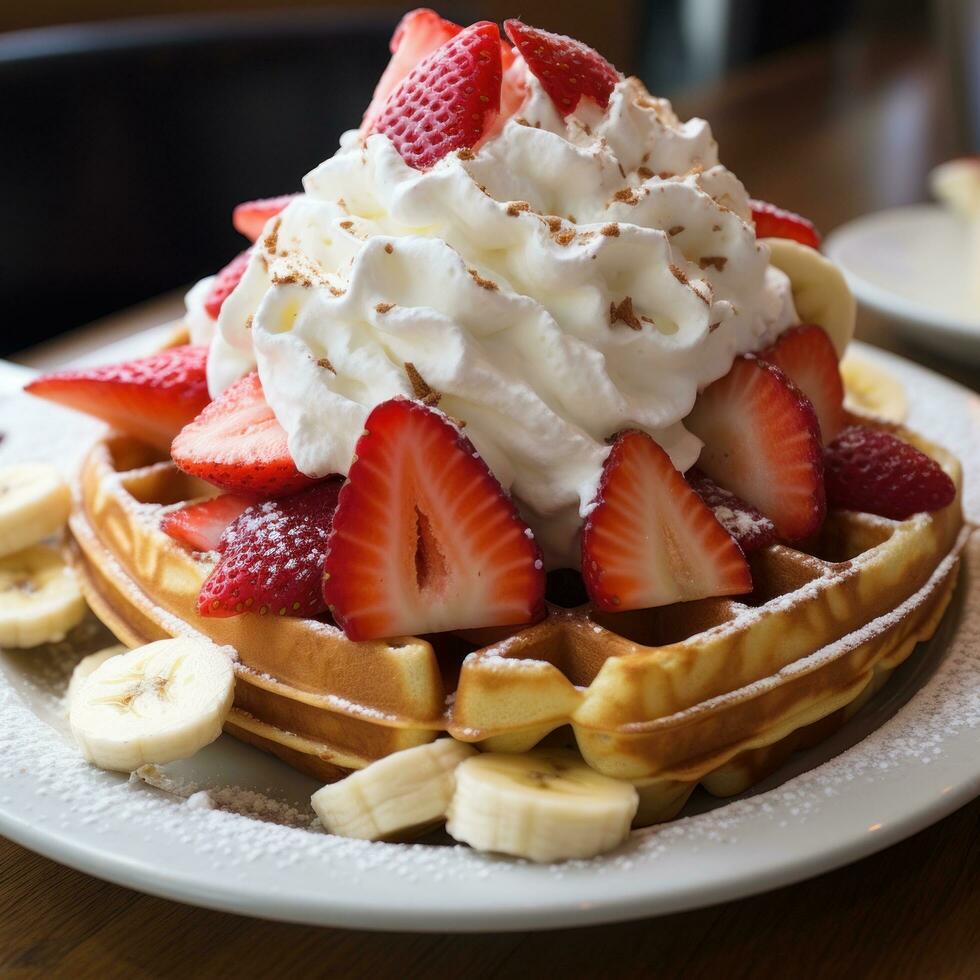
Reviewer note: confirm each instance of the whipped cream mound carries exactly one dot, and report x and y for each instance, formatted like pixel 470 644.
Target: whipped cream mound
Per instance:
pixel 568 279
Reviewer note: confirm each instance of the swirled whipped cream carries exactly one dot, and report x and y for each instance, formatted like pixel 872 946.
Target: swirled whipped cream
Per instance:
pixel 570 278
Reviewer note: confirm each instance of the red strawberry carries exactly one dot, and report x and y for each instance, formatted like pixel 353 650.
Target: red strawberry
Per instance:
pixel 417 35
pixel 424 539
pixel 238 444
pixel 650 539
pixel 762 441
pixel 566 68
pixel 773 222
pixel 151 398
pixel 806 355
pixel 250 218
pixel 750 529
pixel 873 471
pixel 272 557
pixel 448 101
pixel 224 284
pixel 200 526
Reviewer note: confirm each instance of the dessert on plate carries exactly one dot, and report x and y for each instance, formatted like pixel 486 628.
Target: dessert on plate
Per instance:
pixel 511 461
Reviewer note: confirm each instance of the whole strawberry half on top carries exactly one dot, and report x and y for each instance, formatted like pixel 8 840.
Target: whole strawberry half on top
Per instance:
pixel 272 557
pixel 448 101
pixel 151 398
pixel 424 539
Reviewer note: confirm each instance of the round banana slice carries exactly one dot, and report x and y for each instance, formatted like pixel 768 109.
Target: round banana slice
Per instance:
pixel 39 598
pixel 397 796
pixel 86 667
pixel 34 504
pixel 545 805
pixel 869 389
pixel 157 703
pixel 820 291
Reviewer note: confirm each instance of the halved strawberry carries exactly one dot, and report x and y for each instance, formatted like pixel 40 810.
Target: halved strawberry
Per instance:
pixel 566 68
pixel 417 35
pixel 773 222
pixel 250 218
pixel 238 444
pixel 762 441
pixel 448 101
pixel 151 398
pixel 871 470
pixel 806 355
pixel 200 526
pixel 650 539
pixel 272 557
pixel 224 284
pixel 424 539
pixel 751 529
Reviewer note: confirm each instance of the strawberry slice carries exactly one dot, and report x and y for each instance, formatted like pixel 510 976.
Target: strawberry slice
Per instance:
pixel 272 557
pixel 762 441
pixel 873 471
pixel 806 355
pixel 237 443
pixel 566 68
pixel 200 526
pixel 151 398
pixel 751 530
pixel 224 284
pixel 448 101
pixel 650 540
pixel 773 222
pixel 417 35
pixel 250 218
pixel 424 539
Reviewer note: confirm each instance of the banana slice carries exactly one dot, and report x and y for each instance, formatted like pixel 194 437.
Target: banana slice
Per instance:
pixel 34 504
pixel 397 796
pixel 39 598
pixel 870 390
pixel 546 805
pixel 157 703
pixel 820 291
pixel 86 667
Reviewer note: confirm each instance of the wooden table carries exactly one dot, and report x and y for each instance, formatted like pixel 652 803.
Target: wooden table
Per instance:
pixel 832 132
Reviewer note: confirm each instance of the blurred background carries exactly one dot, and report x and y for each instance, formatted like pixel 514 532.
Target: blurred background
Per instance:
pixel 128 130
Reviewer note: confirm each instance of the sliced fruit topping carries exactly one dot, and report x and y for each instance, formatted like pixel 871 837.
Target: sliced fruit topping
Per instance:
pixel 762 441
pixel 151 398
pixel 806 355
pixel 873 471
pixel 773 222
pixel 566 68
pixel 155 704
pixel 224 284
pixel 417 35
pixel 750 529
pixel 401 795
pixel 272 557
pixel 250 218
pixel 200 526
pixel 35 502
pixel 424 539
pixel 650 539
pixel 237 443
pixel 448 101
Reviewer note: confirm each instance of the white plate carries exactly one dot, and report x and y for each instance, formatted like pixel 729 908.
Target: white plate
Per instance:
pixel 919 762
pixel 911 264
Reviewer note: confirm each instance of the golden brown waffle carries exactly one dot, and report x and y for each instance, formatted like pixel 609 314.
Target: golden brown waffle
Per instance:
pixel 717 691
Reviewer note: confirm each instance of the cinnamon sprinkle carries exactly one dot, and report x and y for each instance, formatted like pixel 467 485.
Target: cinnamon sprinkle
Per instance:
pixel 324 362
pixel 487 284
pixel 515 208
pixel 627 196
pixel 248 321
pixel 565 237
pixel 717 261
pixel 465 154
pixel 624 312
pixel 384 307
pixel 645 172
pixel 347 225
pixel 420 389
pixel 611 230
pixel 389 248
pixel 271 242
pixel 679 275
pixel 675 230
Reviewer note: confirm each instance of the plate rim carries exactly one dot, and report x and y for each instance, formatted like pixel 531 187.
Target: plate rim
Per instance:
pixel 560 909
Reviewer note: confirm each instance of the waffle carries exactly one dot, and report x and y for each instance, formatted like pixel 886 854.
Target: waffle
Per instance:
pixel 716 691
